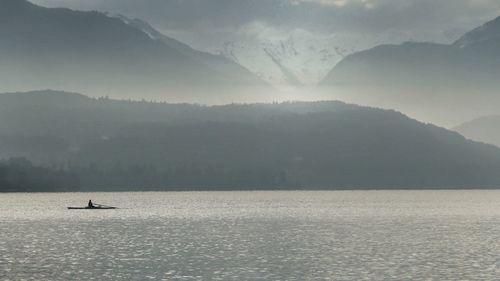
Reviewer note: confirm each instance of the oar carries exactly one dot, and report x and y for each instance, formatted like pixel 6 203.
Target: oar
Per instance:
pixel 101 205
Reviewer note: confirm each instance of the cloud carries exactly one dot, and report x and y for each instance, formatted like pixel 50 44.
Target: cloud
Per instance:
pixel 420 19
pixel 368 4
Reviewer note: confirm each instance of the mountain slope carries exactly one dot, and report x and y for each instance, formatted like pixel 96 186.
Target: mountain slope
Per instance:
pixel 457 61
pixel 327 145
pixel 218 63
pixel 300 60
pixel 485 129
pixel 427 75
pixel 62 48
pixel 486 35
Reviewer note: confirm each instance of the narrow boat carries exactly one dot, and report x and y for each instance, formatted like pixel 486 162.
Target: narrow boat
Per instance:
pixel 92 208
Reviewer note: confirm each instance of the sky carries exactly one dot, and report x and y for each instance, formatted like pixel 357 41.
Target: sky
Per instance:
pixel 203 23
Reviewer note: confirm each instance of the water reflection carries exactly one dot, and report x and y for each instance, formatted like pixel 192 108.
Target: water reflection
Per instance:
pixel 381 235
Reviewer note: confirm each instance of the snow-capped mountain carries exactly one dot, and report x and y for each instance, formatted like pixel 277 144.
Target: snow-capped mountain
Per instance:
pixel 302 59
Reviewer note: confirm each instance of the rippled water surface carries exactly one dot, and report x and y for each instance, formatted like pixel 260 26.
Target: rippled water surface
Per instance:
pixel 378 235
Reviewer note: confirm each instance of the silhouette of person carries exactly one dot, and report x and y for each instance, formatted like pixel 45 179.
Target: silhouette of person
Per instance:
pixel 90 205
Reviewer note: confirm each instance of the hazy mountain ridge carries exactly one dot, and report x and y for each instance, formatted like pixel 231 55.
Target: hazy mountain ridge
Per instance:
pixel 123 144
pixel 215 62
pixel 91 51
pixel 414 55
pixel 485 129
pixel 422 78
pixel 489 32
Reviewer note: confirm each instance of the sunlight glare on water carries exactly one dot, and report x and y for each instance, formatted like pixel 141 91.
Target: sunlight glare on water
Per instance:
pixel 345 235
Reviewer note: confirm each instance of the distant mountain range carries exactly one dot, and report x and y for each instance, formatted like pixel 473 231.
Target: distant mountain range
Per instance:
pixel 104 55
pixel 110 144
pixel 472 58
pixel 301 60
pixel 449 83
pixel 485 129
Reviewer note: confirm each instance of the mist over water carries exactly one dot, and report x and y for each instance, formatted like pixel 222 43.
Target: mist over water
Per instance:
pixel 379 235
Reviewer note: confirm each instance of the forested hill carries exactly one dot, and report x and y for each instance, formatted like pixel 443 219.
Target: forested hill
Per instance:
pixel 130 145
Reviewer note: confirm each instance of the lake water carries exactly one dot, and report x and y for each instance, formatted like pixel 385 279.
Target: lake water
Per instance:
pixel 359 235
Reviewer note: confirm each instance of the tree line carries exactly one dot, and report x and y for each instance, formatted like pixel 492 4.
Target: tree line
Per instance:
pixel 21 175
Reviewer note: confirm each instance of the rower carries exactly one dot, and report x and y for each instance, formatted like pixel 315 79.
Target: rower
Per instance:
pixel 90 205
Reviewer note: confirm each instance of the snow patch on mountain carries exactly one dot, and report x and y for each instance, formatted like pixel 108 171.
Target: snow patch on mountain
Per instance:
pixel 286 61
pixel 301 59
